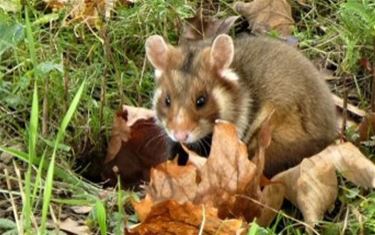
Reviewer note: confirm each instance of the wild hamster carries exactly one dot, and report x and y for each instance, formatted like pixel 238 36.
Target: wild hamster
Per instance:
pixel 238 80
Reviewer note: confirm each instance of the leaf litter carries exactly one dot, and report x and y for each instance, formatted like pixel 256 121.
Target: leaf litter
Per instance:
pixel 230 184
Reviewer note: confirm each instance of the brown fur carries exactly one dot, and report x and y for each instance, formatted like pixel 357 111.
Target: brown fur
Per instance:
pixel 270 74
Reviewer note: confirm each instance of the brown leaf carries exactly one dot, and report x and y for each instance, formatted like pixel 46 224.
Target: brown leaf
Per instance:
pixel 227 173
pixel 351 163
pixel 88 11
pixel 202 27
pixel 170 217
pixel 226 180
pixel 137 143
pixel 311 186
pixel 366 128
pixel 120 133
pixel 143 208
pixel 81 209
pixel 170 181
pixel 266 15
pixel 273 198
pixel 74 227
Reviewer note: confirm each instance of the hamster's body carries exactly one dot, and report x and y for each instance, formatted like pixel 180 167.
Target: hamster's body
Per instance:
pixel 241 81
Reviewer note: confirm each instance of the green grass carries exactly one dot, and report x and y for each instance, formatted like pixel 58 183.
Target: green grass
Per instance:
pixel 60 85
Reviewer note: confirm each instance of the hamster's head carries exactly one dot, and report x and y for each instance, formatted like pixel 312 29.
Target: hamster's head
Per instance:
pixel 194 86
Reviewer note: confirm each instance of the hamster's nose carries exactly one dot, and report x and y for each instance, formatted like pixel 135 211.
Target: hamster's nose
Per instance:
pixel 181 136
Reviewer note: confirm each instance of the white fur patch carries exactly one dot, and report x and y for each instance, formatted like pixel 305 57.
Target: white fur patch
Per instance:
pixel 157 95
pixel 158 73
pixel 229 75
pixel 223 100
pixel 181 117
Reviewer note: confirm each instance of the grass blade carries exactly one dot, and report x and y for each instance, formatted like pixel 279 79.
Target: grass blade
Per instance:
pixel 60 134
pixel 32 133
pixel 101 217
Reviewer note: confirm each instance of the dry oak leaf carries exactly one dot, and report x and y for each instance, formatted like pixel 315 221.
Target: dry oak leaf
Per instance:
pixel 266 15
pixel 137 144
pixel 170 217
pixel 89 11
pixel 73 227
pixel 226 180
pixel 366 128
pixel 351 163
pixel 201 27
pixel 312 185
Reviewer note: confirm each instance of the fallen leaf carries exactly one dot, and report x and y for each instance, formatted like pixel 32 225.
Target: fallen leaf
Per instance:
pixel 272 199
pixel 137 144
pixel 143 208
pixel 266 15
pixel 351 163
pixel 227 168
pixel 226 180
pixel 170 181
pixel 74 227
pixel 201 27
pixel 312 185
pixel 366 128
pixel 170 217
pixel 120 133
pixel 81 209
pixel 88 11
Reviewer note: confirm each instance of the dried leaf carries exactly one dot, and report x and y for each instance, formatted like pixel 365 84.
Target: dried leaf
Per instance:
pixel 89 11
pixel 351 163
pixel 202 27
pixel 81 209
pixel 366 128
pixel 143 208
pixel 266 15
pixel 226 180
pixel 137 143
pixel 170 181
pixel 170 217
pixel 312 185
pixel 272 198
pixel 120 133
pixel 74 227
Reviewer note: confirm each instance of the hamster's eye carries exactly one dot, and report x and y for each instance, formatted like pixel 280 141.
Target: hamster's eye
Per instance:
pixel 201 101
pixel 167 101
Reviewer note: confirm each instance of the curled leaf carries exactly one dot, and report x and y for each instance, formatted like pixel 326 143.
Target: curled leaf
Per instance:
pixel 137 144
pixel 266 15
pixel 170 217
pixel 202 27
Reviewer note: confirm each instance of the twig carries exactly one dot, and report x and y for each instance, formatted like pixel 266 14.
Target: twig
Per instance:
pixel 45 109
pixel 373 88
pixel 203 221
pixel 344 112
pixel 350 108
pixel 14 206
pixel 345 222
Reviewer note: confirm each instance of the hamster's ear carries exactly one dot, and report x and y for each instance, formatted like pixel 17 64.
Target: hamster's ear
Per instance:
pixel 222 52
pixel 157 52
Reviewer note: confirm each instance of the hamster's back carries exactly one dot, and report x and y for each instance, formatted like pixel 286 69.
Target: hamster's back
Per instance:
pixel 304 119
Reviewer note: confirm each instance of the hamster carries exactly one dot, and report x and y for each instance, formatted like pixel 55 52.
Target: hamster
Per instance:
pixel 238 81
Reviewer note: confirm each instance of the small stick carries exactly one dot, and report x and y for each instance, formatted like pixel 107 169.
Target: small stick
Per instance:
pixel 373 88
pixel 344 112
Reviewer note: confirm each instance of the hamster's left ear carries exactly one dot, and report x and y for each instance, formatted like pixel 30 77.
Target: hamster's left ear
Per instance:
pixel 222 52
pixel 221 56
pixel 157 52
